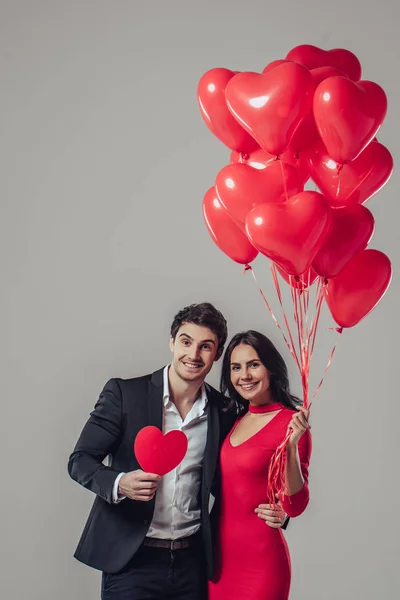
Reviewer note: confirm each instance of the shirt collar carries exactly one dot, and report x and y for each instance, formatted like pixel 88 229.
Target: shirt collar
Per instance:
pixel 202 399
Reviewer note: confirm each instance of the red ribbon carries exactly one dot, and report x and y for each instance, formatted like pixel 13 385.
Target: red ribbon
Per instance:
pixel 306 337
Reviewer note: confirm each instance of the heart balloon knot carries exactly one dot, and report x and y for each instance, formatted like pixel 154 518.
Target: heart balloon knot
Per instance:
pixel 337 329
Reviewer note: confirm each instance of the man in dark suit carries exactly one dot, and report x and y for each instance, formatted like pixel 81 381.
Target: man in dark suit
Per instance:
pixel 152 537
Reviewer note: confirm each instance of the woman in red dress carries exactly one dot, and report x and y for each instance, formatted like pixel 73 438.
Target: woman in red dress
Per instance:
pixel 254 559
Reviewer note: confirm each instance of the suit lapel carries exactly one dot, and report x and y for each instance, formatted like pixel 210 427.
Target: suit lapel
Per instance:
pixel 212 445
pixel 155 406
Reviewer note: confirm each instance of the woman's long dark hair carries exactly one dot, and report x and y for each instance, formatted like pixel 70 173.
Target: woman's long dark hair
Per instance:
pixel 270 358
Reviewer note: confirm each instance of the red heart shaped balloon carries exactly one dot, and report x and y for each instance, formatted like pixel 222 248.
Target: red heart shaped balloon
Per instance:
pixel 213 108
pixel 350 232
pixel 271 106
pixel 348 115
pixel 259 159
pixel 275 63
pixel 240 188
pixel 306 135
pixel 355 292
pixel 301 282
pixel 292 232
pixel 313 57
pixel 354 182
pixel 225 233
pixel 158 453
pixel 319 74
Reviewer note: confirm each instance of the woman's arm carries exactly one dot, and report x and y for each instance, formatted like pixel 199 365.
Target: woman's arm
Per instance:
pixel 298 452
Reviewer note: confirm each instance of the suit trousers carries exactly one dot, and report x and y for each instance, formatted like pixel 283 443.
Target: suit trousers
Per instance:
pixel 159 574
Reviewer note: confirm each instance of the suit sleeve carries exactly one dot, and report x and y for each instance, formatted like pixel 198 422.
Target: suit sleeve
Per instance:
pixel 296 504
pixel 100 434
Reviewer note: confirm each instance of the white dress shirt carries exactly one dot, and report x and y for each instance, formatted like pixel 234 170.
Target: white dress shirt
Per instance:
pixel 177 502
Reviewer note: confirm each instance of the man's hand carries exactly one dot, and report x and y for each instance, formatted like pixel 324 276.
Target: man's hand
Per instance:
pixel 138 485
pixel 273 518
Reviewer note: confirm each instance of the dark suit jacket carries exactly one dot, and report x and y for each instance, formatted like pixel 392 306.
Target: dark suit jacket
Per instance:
pixel 114 532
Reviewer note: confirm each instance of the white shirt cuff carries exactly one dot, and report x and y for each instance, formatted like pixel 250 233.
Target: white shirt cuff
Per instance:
pixel 115 496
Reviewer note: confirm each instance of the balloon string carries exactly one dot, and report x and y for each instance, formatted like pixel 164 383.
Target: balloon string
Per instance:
pixel 306 297
pixel 300 305
pixel 290 347
pixel 306 294
pixel 278 291
pixel 296 316
pixel 304 349
pixel 298 293
pixel 276 473
pixel 318 306
pixel 276 483
pixel 339 169
pixel 339 332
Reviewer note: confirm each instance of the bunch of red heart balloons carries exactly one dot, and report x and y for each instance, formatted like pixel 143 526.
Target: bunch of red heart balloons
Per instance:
pixel 309 117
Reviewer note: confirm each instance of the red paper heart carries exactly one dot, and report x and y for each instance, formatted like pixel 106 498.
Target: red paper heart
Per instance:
pixel 350 232
pixel 355 292
pixel 271 106
pixel 225 233
pixel 292 232
pixel 259 159
pixel 213 109
pixel 348 115
pixel 240 187
pixel 158 453
pixel 313 57
pixel 355 182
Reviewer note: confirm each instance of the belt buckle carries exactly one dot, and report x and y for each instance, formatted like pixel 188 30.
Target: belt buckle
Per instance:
pixel 172 546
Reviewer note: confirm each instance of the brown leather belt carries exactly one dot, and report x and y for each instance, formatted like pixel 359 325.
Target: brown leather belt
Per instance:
pixel 171 544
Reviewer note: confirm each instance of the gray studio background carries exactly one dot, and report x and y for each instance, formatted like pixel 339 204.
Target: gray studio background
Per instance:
pixel 104 162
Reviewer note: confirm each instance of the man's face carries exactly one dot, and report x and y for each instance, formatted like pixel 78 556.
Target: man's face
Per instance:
pixel 195 349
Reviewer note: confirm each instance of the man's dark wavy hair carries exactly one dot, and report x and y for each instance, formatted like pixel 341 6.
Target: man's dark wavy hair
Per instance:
pixel 205 315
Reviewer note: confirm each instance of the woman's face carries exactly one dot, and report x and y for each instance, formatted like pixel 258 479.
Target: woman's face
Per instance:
pixel 249 376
